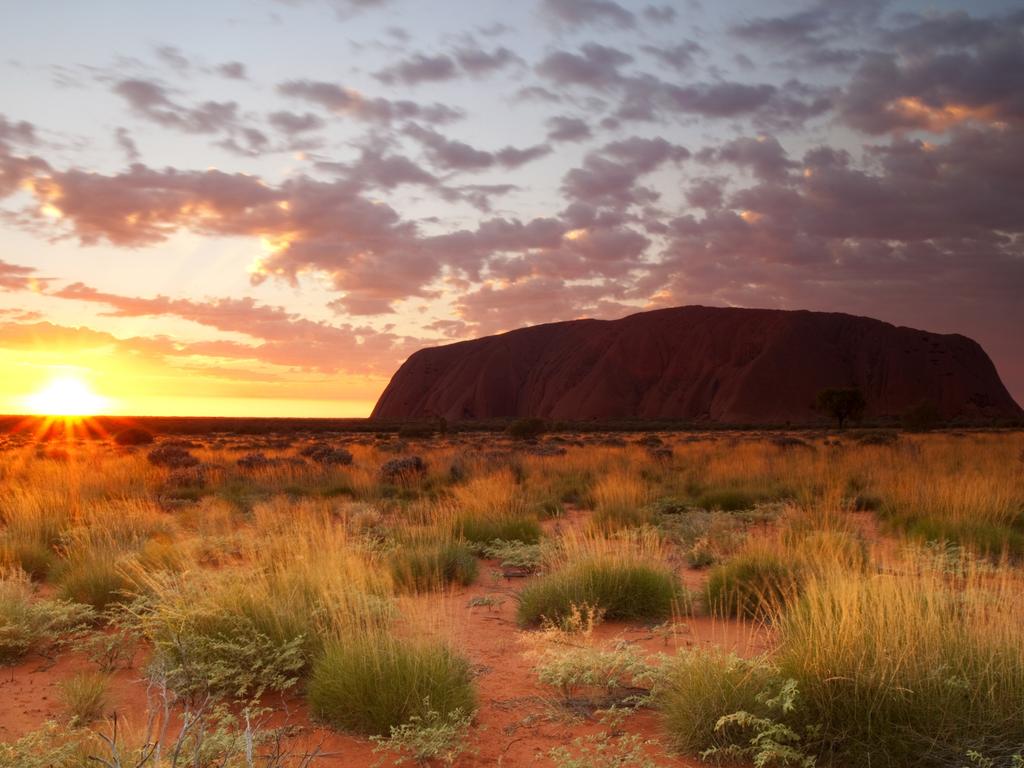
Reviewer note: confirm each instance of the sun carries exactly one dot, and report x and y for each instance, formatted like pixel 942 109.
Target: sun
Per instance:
pixel 66 396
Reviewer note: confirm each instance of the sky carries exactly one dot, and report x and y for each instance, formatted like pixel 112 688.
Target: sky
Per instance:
pixel 262 207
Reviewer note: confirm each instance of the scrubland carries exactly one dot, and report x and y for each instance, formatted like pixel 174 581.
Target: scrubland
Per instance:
pixel 767 599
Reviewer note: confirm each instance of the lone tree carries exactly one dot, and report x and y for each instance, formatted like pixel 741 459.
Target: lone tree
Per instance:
pixel 842 403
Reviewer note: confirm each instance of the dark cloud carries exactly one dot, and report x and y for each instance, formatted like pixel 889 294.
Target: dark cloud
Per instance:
pixel 595 66
pixel 645 97
pixel 679 57
pixel 477 61
pixel 232 70
pixel 764 156
pixel 174 58
pixel 578 13
pixel 609 175
pixel 810 36
pixel 345 101
pixel 292 123
pixel 453 155
pixel 127 145
pixel 660 14
pixel 21 132
pixel 419 68
pixel 946 70
pixel 565 128
pixel 152 101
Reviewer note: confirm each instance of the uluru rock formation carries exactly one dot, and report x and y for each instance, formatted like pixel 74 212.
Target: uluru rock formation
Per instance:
pixel 722 365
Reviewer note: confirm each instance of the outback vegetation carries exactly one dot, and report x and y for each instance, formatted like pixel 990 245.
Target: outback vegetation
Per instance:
pixel 520 597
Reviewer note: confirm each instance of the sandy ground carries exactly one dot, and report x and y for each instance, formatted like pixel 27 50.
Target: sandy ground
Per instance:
pixel 519 721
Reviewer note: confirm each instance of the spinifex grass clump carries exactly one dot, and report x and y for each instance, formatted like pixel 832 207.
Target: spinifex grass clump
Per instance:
pixel 979 507
pixel 699 687
pixel 372 682
pixel 916 669
pixel 421 566
pixel 752 583
pixel 625 578
pixel 33 521
pixel 493 507
pixel 910 671
pixel 622 500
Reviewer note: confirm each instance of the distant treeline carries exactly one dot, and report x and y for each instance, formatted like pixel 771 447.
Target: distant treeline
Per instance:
pixel 100 426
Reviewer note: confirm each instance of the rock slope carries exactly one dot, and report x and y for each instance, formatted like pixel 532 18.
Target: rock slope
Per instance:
pixel 721 365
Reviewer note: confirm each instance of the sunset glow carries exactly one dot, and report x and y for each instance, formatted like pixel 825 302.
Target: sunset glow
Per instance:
pixel 66 396
pixel 222 233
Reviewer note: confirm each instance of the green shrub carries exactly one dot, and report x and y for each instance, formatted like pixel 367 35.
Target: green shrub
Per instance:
pixel 514 554
pixel 587 676
pixel 734 499
pixel 27 624
pixel 374 683
pixel 483 528
pixel 622 590
pixel 428 738
pixel 527 429
pixel 751 584
pixel 424 566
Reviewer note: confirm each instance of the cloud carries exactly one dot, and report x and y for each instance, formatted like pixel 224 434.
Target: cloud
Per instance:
pixel 660 14
pixel 946 70
pixel 232 70
pixel 477 61
pixel 419 68
pixel 292 123
pixel 453 155
pixel 14 277
pixel 679 57
pixel 565 128
pixel 578 13
pixel 284 338
pixel 127 145
pixel 345 101
pixel 595 66
pixel 609 175
pixel 152 101
pixel 645 97
pixel 763 155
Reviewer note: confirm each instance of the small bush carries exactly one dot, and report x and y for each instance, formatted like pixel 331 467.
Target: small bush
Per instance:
pixel 85 696
pixel 202 651
pixel 921 417
pixel 732 499
pixel 515 554
pixel 527 429
pixel 327 455
pixel 27 624
pixel 371 684
pixel 172 457
pixel 599 678
pixel 751 584
pixel 133 436
pixel 425 739
pixel 404 470
pixel 622 590
pixel 482 529
pixel 424 566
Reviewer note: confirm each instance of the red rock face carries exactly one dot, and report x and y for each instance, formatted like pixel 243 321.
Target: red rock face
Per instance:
pixel 730 366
